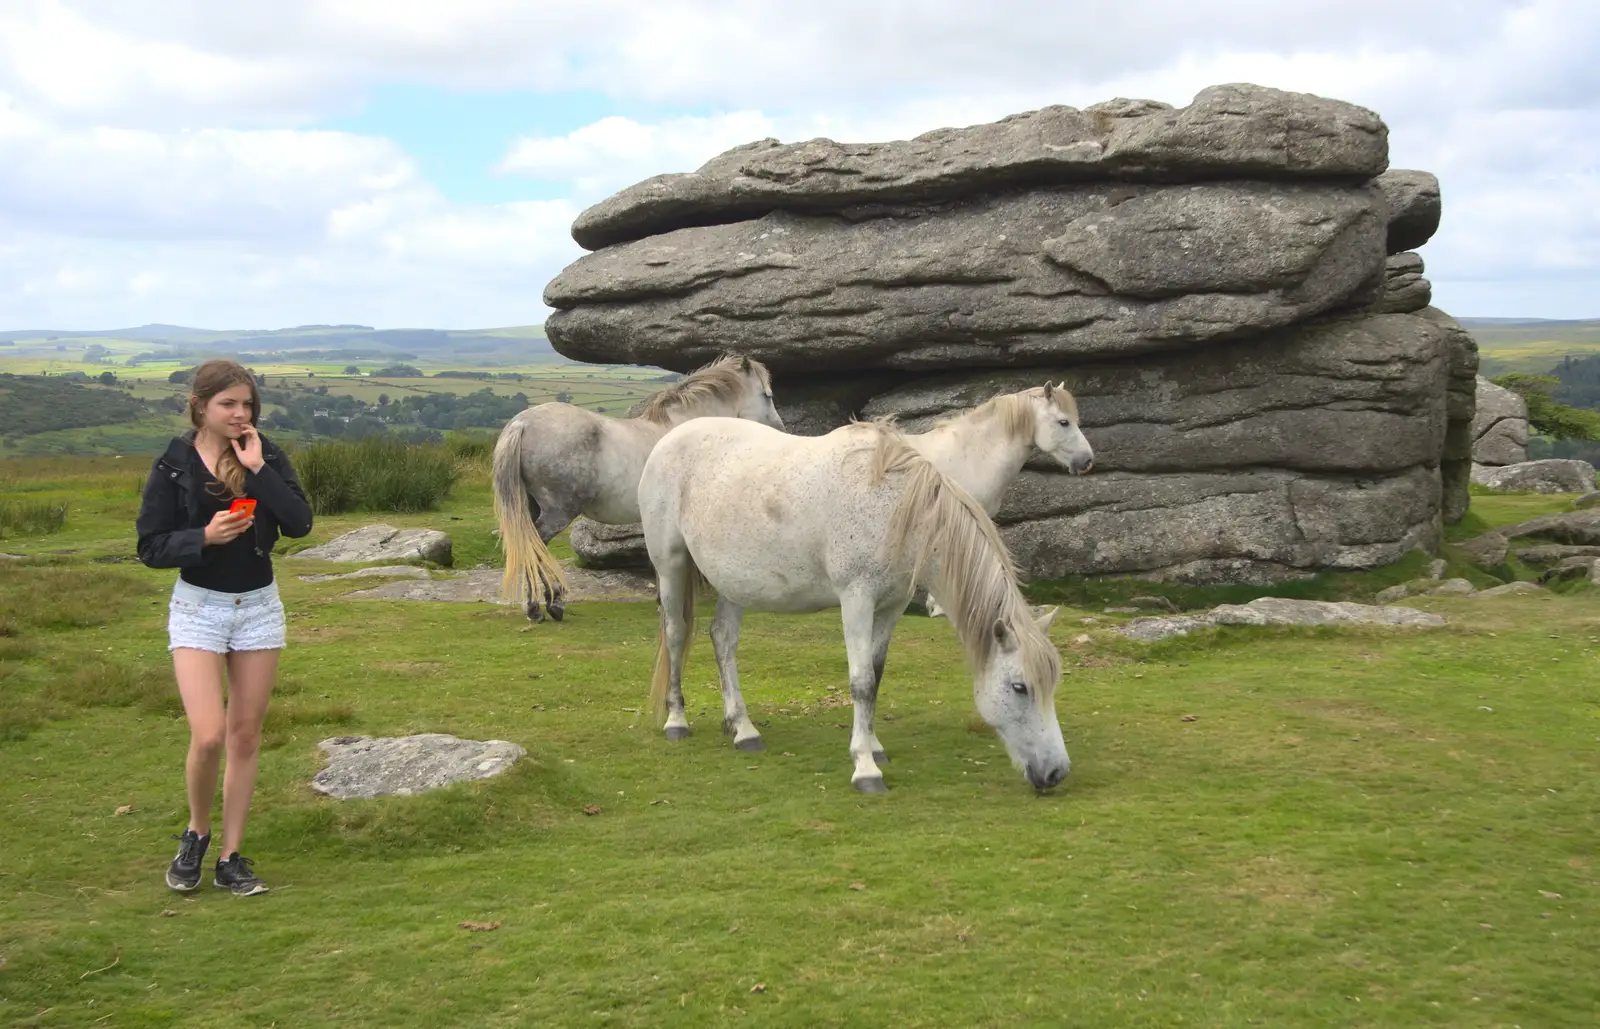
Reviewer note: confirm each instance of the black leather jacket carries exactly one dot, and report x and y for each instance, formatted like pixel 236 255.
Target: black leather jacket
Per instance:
pixel 172 530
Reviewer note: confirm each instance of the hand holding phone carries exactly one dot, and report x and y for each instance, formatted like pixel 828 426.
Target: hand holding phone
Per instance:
pixel 226 526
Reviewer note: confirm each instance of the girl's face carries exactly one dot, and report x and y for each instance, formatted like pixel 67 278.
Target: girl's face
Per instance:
pixel 228 413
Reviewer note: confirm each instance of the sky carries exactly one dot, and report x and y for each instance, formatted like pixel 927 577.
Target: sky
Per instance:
pixel 418 163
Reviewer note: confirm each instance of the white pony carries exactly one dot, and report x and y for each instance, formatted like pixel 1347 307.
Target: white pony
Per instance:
pixel 556 461
pixel 853 520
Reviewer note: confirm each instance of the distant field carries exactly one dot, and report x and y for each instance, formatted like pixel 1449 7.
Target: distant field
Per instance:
pixel 1533 347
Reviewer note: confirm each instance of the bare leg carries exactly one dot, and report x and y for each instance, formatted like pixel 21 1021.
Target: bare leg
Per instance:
pixel 856 610
pixel 674 583
pixel 199 675
pixel 251 675
pixel 725 640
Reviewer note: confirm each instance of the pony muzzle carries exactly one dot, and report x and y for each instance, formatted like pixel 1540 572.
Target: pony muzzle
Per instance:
pixel 1047 775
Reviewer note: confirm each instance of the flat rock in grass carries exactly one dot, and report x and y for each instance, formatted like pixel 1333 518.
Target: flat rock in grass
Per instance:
pixel 482 585
pixel 1553 553
pixel 11 557
pixel 1453 588
pixel 1265 611
pixel 1575 528
pixel 371 766
pixel 1285 611
pixel 383 543
pixel 1488 550
pixel 1572 568
pixel 1587 500
pixel 386 571
pixel 1510 589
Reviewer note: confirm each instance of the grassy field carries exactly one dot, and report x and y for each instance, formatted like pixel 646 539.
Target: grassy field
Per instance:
pixel 1286 828
pixel 1532 348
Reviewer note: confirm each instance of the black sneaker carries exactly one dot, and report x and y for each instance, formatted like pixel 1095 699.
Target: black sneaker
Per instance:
pixel 184 872
pixel 234 875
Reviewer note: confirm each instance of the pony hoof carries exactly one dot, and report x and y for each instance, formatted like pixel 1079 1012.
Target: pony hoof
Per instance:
pixel 873 784
pixel 677 732
pixel 534 614
pixel 879 757
pixel 558 611
pixel 753 743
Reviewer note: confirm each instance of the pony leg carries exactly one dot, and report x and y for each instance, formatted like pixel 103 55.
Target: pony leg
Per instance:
pixel 676 600
pixel 882 629
pixel 859 638
pixel 725 640
pixel 552 519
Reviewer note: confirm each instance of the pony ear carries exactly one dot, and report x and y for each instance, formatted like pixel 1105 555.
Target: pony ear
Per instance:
pixel 1004 638
pixel 1049 388
pixel 1044 620
pixel 744 363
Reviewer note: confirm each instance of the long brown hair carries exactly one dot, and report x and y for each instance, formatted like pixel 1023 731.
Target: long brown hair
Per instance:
pixel 211 378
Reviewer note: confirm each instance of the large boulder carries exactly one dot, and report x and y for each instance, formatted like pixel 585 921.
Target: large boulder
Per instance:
pixel 1031 278
pixel 1555 475
pixel 1412 200
pixel 1229 131
pixel 1230 289
pixel 1499 426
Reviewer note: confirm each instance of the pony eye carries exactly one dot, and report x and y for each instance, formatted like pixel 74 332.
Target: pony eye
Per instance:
pixel 1065 422
pixel 1020 688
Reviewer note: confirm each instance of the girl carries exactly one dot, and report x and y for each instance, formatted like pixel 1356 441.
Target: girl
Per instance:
pixel 225 609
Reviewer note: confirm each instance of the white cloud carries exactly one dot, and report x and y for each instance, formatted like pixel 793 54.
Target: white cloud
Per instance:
pixel 154 164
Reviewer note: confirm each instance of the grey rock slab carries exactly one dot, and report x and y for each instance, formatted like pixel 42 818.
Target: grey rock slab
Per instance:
pixel 1453 588
pixel 1554 475
pixel 368 766
pixel 1268 611
pixel 483 586
pixel 1023 279
pixel 382 542
pixel 1414 205
pixel 1229 130
pixel 1587 500
pixel 1575 528
pixel 1364 393
pixel 1405 289
pixel 1488 550
pixel 1554 553
pixel 385 571
pixel 1511 589
pixel 1499 425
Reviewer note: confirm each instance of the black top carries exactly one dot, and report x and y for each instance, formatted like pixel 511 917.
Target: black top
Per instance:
pixel 232 567
pixel 177 506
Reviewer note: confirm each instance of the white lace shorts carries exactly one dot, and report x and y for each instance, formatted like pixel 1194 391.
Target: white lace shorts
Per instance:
pixel 203 619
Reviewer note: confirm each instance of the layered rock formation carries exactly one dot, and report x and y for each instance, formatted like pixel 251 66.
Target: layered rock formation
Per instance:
pixel 1230 289
pixel 1499 426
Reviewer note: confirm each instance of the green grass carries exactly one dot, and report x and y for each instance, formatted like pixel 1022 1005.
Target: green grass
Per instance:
pixel 31 517
pixel 378 474
pixel 1354 829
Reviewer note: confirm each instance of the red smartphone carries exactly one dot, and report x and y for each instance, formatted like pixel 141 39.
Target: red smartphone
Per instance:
pixel 245 504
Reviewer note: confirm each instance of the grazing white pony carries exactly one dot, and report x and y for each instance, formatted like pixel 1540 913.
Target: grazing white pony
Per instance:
pixel 984 449
pixel 556 461
pixel 853 520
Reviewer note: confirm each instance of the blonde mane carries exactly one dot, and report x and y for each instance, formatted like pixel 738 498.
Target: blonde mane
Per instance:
pixel 974 577
pixel 1015 410
pixel 723 380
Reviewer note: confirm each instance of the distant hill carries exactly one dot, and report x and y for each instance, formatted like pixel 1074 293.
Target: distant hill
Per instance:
pixel 1533 345
pixel 184 342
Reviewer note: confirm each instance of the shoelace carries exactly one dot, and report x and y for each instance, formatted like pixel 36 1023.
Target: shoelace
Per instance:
pixel 240 866
pixel 191 847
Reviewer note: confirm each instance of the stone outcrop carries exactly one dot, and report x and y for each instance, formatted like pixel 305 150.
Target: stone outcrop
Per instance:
pixel 1265 611
pixel 1553 475
pixel 1499 426
pixel 1231 289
